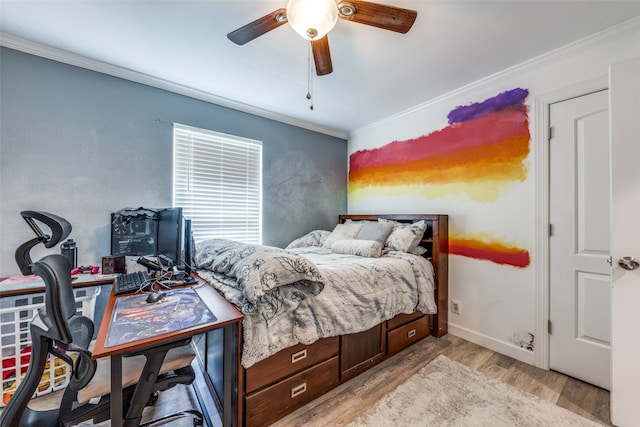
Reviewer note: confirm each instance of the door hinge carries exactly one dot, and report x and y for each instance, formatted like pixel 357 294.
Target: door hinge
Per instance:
pixel 549 327
pixel 550 137
pixel 550 229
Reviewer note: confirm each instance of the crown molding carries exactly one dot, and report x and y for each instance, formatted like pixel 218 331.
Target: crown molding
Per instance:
pixel 59 55
pixel 66 57
pixel 565 51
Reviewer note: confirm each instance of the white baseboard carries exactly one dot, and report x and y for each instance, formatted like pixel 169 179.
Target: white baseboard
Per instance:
pixel 503 347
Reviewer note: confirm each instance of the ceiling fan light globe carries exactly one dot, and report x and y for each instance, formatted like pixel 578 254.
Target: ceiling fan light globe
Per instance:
pixel 312 19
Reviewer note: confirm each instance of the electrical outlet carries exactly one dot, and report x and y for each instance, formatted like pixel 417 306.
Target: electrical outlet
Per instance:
pixel 455 307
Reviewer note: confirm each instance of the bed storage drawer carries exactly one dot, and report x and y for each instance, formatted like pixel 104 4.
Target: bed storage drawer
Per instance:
pixel 268 405
pixel 402 319
pixel 408 334
pixel 289 361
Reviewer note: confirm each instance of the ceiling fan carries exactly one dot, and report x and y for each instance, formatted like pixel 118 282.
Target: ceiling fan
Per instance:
pixel 313 19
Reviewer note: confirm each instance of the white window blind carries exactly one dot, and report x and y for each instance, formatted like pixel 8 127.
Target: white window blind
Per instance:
pixel 217 180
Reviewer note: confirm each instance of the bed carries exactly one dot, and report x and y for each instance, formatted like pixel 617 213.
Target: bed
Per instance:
pixel 326 308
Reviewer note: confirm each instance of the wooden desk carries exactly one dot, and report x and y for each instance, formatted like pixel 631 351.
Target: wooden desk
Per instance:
pixel 227 317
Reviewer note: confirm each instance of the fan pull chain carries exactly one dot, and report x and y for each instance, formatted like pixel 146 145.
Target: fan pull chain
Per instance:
pixel 309 78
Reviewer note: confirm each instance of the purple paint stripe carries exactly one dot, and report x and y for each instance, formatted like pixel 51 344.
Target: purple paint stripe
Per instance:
pixel 509 99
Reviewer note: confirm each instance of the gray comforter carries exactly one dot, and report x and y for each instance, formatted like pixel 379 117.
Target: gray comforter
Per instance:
pixel 351 295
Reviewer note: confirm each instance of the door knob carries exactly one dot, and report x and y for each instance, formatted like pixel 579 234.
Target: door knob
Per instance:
pixel 628 263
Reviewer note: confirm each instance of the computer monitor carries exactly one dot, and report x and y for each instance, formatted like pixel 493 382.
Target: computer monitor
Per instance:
pixel 170 242
pixel 189 247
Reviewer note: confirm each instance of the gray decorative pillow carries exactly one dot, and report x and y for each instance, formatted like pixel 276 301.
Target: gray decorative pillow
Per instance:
pixel 348 230
pixel 378 231
pixel 366 248
pixel 405 237
pixel 313 238
pixel 419 250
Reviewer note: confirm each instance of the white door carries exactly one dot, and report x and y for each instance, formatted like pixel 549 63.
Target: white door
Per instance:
pixel 579 245
pixel 624 83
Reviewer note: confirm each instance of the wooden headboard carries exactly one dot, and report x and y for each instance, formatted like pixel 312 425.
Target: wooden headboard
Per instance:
pixel 436 241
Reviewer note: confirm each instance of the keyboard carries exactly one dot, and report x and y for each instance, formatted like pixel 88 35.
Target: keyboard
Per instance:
pixel 128 283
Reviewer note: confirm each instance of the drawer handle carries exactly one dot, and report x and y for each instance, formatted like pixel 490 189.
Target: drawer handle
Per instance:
pixel 411 333
pixel 296 357
pixel 298 390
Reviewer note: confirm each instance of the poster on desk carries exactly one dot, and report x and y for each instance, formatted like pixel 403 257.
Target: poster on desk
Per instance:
pixel 135 319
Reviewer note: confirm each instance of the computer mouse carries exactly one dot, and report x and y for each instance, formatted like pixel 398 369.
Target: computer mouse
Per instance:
pixel 155 296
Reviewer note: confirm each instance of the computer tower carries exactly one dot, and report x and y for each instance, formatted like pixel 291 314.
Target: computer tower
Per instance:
pixel 150 233
pixel 134 236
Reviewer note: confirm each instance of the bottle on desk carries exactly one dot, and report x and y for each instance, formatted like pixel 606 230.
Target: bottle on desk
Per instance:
pixel 69 250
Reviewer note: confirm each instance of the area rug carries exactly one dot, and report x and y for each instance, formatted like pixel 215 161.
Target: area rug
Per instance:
pixel 447 393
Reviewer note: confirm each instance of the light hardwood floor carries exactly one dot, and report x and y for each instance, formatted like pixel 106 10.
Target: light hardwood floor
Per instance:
pixel 348 401
pixel 345 403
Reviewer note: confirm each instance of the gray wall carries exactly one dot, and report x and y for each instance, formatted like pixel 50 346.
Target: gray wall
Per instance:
pixel 82 144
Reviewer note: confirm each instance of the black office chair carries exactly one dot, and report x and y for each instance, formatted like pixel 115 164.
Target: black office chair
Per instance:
pixel 57 329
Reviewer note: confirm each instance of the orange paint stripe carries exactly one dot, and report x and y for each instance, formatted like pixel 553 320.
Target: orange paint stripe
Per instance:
pixel 499 161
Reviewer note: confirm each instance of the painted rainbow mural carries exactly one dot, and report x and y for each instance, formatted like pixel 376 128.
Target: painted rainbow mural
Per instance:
pixel 480 154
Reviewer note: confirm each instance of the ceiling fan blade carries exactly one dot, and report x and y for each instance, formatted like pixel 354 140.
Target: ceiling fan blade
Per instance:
pixel 378 15
pixel 258 27
pixel 322 56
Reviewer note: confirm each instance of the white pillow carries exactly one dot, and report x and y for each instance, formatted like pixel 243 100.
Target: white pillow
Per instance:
pixel 348 230
pixel 405 237
pixel 366 248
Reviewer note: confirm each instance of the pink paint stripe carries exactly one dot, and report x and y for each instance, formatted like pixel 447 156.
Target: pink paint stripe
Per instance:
pixel 486 130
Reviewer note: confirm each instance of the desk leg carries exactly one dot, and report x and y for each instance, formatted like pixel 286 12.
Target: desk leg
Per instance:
pixel 116 390
pixel 229 375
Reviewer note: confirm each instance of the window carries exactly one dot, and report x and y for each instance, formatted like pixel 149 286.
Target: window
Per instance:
pixel 217 181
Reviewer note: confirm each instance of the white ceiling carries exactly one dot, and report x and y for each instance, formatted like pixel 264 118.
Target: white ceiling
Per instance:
pixel 376 73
